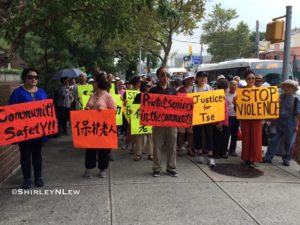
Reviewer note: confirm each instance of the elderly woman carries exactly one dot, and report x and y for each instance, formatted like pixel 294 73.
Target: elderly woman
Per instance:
pixel 100 100
pixel 31 149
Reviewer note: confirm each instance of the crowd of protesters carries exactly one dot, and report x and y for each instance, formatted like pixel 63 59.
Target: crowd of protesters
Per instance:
pixel 215 140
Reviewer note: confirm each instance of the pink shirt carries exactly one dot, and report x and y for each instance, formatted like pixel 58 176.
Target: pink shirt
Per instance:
pixel 106 101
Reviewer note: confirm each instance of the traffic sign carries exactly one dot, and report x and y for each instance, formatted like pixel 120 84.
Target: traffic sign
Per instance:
pixel 197 60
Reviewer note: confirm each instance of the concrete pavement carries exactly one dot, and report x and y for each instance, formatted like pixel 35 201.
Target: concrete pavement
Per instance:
pixel 228 194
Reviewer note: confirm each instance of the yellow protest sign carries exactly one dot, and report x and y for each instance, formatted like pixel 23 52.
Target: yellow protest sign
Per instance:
pixel 257 103
pixel 112 89
pixel 130 95
pixel 136 127
pixel 209 106
pixel 84 94
pixel 119 103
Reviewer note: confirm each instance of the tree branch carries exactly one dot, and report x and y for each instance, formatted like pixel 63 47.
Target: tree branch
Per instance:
pixel 153 52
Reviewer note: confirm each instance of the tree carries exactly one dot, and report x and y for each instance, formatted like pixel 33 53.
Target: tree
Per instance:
pixel 157 23
pixel 225 42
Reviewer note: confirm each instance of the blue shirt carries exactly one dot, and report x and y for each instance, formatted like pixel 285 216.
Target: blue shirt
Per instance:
pixel 20 95
pixel 289 106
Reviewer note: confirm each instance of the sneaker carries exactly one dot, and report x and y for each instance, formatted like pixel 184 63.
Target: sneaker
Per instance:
pixel 197 151
pixel 87 173
pixel 102 174
pixel 27 184
pixel 156 173
pixel 211 162
pixel 39 182
pixel 200 159
pixel 286 163
pixel 172 173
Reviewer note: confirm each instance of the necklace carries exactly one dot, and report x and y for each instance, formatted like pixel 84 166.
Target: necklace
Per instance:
pixel 31 92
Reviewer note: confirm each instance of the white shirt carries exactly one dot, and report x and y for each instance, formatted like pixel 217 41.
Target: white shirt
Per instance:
pixel 229 100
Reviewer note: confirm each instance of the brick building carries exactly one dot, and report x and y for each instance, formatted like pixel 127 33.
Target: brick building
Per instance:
pixel 9 155
pixel 276 51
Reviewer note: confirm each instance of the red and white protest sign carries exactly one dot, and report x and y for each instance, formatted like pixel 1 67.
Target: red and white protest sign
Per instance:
pixel 166 110
pixel 24 121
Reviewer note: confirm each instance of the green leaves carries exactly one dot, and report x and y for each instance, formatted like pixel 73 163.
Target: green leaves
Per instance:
pixel 225 42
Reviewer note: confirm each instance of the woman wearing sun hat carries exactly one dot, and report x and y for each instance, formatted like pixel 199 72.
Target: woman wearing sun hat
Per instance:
pixel 287 123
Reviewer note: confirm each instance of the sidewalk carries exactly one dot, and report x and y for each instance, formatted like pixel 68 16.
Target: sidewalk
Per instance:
pixel 228 194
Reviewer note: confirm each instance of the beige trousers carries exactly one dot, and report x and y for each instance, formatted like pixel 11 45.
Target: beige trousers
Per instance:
pixel 164 138
pixel 144 141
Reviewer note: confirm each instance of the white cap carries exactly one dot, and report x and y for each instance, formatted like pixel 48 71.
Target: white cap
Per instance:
pixel 188 76
pixel 221 76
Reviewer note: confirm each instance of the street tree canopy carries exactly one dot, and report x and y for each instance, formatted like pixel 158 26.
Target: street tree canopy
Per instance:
pixel 225 42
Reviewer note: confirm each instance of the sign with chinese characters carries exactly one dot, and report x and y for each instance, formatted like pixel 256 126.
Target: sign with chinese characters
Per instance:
pixel 24 121
pixel 257 103
pixel 84 94
pixel 119 104
pixel 209 106
pixel 94 129
pixel 130 95
pixel 136 127
pixel 166 110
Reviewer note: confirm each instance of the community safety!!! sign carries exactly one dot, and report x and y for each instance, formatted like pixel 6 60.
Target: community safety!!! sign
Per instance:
pixel 97 130
pixel 24 121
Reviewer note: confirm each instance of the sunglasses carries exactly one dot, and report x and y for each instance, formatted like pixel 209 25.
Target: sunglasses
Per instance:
pixel 251 78
pixel 30 77
pixel 165 74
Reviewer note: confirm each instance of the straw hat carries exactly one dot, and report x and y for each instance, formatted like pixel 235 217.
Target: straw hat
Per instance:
pixel 290 83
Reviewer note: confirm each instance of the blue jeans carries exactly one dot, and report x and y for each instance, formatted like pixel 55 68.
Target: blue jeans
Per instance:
pixel 285 128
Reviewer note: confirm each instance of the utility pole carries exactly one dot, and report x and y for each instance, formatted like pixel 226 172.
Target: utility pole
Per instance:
pixel 257 39
pixel 287 43
pixel 201 52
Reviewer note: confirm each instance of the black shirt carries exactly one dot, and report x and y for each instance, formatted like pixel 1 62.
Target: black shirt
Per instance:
pixel 159 90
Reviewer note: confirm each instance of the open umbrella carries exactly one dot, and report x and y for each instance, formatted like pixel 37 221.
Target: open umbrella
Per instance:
pixel 69 73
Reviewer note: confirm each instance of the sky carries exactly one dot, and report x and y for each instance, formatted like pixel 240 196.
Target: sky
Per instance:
pixel 249 11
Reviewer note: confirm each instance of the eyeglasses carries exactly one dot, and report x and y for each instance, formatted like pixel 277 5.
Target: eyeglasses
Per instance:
pixel 30 77
pixel 165 74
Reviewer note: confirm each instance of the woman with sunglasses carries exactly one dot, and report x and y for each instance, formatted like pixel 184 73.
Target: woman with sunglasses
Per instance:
pixel 251 132
pixel 30 149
